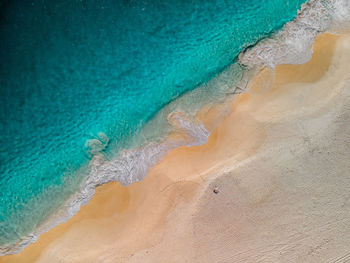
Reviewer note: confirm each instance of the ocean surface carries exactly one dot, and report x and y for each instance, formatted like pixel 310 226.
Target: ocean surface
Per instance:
pixel 83 77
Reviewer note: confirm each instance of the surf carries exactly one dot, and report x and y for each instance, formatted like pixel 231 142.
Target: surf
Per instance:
pixel 121 143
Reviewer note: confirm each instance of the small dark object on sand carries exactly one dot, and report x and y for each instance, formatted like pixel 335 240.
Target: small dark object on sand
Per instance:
pixel 216 191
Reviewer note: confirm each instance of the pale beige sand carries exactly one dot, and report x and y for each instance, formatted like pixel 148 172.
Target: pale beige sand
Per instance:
pixel 281 163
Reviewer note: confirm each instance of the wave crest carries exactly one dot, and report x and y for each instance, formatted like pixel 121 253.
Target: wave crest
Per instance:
pixel 129 167
pixel 293 44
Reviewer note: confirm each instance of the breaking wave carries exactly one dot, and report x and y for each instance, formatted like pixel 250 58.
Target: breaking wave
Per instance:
pixel 291 45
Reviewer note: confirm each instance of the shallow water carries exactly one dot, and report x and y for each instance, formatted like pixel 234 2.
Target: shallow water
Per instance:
pixel 73 69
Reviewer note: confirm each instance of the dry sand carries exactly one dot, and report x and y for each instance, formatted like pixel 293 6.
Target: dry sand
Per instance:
pixel 281 164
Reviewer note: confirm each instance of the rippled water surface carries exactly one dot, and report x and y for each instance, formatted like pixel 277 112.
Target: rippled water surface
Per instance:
pixel 71 69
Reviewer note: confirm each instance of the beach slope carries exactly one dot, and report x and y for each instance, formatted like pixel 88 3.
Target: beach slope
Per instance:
pixel 280 167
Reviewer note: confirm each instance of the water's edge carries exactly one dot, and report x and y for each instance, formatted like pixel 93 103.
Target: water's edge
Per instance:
pixel 291 45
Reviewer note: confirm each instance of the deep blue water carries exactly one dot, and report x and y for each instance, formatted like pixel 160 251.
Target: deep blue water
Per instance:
pixel 70 69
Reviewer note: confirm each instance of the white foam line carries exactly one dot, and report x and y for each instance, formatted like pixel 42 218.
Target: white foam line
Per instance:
pixel 291 45
pixel 129 167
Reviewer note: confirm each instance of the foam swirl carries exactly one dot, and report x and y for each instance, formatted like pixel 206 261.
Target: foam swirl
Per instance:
pixel 129 167
pixel 293 44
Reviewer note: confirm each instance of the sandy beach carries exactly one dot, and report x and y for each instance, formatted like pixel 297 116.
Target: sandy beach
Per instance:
pixel 280 166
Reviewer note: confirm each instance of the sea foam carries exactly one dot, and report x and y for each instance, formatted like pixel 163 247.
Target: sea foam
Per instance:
pixel 291 45
pixel 129 167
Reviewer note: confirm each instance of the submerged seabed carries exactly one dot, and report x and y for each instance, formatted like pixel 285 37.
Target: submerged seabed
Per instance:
pixel 290 45
pixel 94 73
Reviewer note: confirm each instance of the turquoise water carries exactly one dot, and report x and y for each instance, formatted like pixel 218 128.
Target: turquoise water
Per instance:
pixel 71 69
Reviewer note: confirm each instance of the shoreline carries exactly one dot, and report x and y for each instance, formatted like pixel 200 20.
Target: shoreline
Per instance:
pixel 134 164
pixel 152 214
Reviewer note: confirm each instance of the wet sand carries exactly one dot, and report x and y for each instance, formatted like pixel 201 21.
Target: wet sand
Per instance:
pixel 280 162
